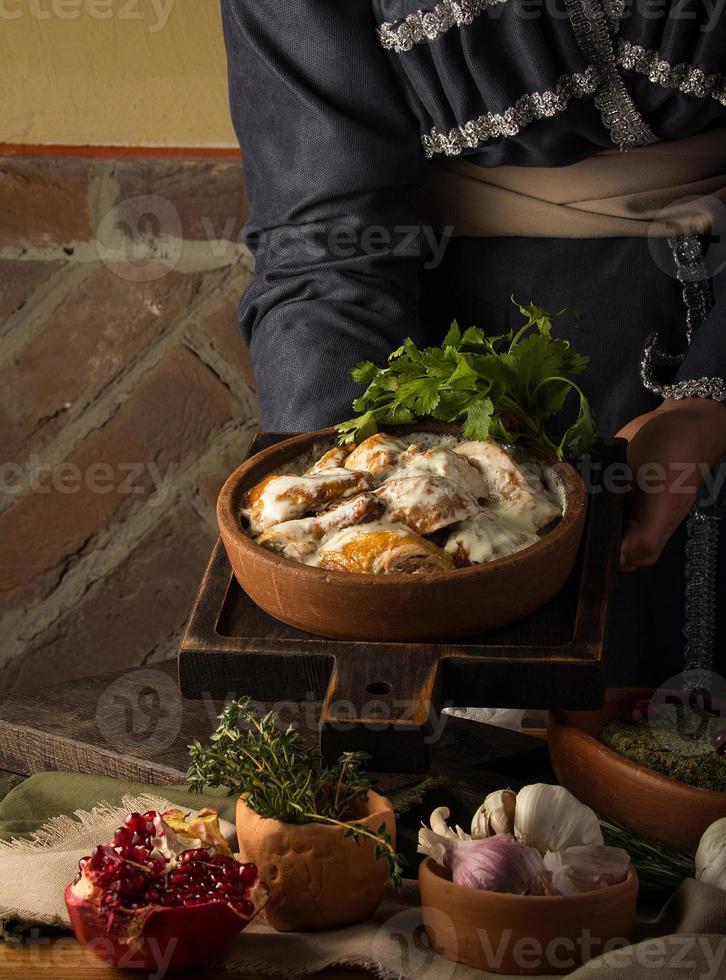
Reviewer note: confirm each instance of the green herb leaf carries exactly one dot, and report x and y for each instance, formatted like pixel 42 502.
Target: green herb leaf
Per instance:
pixel 473 337
pixel 581 435
pixel 505 386
pixel 453 337
pixel 478 419
pixel 364 372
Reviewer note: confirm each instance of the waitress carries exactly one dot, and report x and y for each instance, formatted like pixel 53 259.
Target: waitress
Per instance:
pixel 573 155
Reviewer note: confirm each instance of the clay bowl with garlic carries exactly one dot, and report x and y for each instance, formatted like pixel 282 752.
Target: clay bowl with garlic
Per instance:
pixel 399 607
pixel 654 806
pixel 523 934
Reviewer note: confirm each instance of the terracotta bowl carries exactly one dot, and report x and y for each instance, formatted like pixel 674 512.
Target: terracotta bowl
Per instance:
pixel 318 878
pixel 652 805
pixel 523 934
pixel 443 605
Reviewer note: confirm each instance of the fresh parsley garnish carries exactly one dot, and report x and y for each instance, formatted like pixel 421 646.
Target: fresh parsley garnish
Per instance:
pixel 503 387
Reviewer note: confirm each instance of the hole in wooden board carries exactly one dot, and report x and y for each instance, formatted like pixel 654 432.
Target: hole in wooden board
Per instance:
pixel 379 687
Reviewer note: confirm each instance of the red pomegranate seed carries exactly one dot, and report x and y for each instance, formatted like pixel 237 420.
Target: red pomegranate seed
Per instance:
pixel 719 742
pixel 248 874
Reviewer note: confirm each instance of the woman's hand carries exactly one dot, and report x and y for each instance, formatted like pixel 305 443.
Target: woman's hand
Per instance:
pixel 670 452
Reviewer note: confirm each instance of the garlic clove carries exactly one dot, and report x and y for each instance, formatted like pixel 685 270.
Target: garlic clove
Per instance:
pixel 495 815
pixel 586 867
pixel 438 824
pixel 436 840
pixel 434 845
pixel 550 818
pixel 437 821
pixel 711 855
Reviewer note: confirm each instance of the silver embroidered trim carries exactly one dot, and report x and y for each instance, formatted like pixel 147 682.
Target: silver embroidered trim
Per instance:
pixel 700 599
pixel 693 276
pixel 425 26
pixel 527 109
pixel 651 357
pixel 698 300
pixel 714 388
pixel 614 10
pixel 685 78
pixel 625 124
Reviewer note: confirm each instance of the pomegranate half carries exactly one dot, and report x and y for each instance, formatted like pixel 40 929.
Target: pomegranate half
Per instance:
pixel 166 894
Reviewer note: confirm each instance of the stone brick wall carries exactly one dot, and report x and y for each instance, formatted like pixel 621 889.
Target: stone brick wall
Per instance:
pixel 126 397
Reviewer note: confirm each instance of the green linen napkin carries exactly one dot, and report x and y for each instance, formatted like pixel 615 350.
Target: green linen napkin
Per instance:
pixel 29 805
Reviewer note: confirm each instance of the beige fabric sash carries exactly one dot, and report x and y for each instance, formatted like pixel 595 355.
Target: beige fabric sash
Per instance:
pixel 668 188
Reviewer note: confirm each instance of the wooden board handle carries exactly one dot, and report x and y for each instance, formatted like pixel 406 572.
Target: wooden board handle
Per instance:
pixel 388 693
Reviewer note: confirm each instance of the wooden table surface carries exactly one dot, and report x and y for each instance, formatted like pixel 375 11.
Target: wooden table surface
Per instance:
pixel 66 959
pixel 136 726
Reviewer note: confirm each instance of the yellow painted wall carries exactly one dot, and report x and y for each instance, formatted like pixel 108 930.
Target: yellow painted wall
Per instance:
pixel 113 73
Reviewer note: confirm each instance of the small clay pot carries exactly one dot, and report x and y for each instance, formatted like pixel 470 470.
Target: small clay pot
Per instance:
pixel 617 788
pixel 523 934
pixel 318 878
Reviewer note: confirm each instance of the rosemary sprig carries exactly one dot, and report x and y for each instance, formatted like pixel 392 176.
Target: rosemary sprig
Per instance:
pixel 284 781
pixel 659 865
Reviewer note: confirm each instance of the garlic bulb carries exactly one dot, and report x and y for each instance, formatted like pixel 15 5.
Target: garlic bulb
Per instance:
pixel 499 863
pixel 585 867
pixel 495 815
pixel 550 818
pixel 711 855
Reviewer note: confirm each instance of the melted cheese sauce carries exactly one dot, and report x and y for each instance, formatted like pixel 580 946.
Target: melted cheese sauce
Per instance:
pixel 485 537
pixel 426 503
pixel 334 459
pixel 281 498
pixel 298 538
pixel 333 516
pixel 359 549
pixel 516 491
pixel 377 455
pixel 444 463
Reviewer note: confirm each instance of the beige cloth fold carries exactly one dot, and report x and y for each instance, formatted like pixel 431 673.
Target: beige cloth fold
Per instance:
pixel 668 188
pixel 686 939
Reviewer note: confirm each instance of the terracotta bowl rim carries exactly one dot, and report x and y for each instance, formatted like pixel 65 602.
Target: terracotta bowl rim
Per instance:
pixel 380 811
pixel 430 868
pixel 620 762
pixel 228 504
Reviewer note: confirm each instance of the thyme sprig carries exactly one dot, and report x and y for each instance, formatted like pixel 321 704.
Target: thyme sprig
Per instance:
pixel 659 865
pixel 282 780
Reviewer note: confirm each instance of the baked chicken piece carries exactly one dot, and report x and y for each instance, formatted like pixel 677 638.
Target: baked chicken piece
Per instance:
pixel 280 498
pixel 518 494
pixel 380 548
pixel 298 539
pixel 485 537
pixel 333 459
pixel 377 454
pixel 426 503
pixel 441 461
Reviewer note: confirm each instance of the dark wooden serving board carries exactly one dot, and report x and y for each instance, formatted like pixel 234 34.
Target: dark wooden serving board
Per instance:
pixel 386 697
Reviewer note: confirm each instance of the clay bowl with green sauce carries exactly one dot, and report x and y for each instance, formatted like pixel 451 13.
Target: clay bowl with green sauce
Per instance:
pixel 617 788
pixel 437 606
